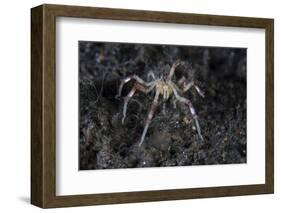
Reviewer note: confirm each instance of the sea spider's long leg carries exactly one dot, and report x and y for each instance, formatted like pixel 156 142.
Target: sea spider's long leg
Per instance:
pixel 151 75
pixel 173 68
pixel 133 77
pixel 188 85
pixel 192 111
pixel 131 94
pixel 200 92
pixel 150 116
pixel 126 100
pixel 144 89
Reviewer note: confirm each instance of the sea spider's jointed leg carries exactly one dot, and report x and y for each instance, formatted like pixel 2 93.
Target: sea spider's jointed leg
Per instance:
pixel 151 75
pixel 188 85
pixel 192 111
pixel 173 68
pixel 200 92
pixel 127 79
pixel 126 100
pixel 131 94
pixel 150 116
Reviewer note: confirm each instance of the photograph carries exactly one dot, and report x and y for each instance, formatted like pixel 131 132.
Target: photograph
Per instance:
pixel 170 105
pixel 156 105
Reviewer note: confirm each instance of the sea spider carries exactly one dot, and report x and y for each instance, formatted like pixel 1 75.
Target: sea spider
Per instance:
pixel 165 87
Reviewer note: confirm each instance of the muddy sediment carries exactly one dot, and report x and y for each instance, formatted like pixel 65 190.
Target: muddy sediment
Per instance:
pixel 172 139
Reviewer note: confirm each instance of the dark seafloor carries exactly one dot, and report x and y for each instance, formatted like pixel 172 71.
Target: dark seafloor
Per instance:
pixel 171 140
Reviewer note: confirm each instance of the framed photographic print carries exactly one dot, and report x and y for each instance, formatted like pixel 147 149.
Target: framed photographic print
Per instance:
pixel 136 106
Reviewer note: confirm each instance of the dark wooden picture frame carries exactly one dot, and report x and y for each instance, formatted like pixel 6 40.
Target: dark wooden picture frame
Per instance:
pixel 43 105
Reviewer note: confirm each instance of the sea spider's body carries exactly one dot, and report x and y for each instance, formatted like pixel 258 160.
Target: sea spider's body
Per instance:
pixel 165 87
